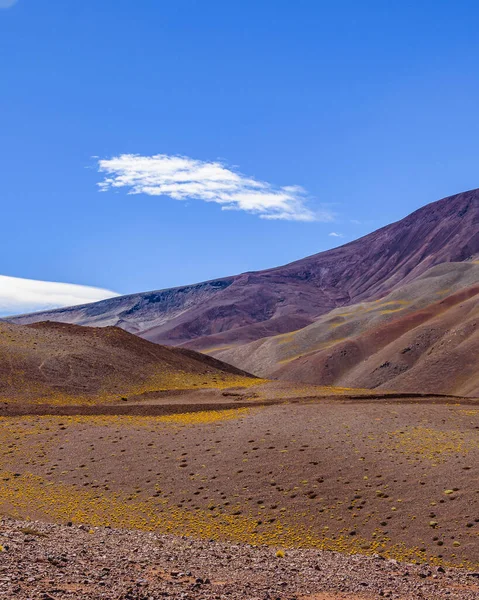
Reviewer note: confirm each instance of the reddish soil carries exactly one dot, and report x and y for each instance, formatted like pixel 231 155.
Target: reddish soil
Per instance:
pixel 397 478
pixel 190 493
pixel 423 336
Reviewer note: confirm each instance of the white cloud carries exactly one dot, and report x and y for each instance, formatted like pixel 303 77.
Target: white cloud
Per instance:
pixel 337 235
pixel 27 295
pixel 184 178
pixel 7 3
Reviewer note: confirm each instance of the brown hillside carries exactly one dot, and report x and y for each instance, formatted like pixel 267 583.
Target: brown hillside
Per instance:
pixel 56 362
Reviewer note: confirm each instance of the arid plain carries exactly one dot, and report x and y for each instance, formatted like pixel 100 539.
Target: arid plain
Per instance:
pixel 270 473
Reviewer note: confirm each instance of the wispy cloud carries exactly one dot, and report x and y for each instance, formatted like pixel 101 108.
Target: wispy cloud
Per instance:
pixel 336 235
pixel 7 3
pixel 183 178
pixel 27 295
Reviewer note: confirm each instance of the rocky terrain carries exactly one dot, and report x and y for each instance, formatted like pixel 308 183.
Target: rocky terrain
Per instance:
pixel 246 307
pixel 130 470
pixel 53 562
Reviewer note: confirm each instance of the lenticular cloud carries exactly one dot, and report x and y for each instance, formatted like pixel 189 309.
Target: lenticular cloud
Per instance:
pixel 19 295
pixel 184 178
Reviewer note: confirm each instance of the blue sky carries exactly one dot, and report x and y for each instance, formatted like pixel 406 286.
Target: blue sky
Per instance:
pixel 369 107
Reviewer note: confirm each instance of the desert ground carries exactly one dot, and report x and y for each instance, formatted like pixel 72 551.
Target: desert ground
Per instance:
pixel 232 477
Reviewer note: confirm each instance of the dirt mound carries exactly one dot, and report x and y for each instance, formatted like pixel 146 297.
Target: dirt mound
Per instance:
pixel 245 307
pixel 57 362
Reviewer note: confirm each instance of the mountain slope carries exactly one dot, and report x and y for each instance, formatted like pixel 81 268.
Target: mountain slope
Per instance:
pixel 433 350
pixel 246 307
pixel 424 336
pixel 60 363
pixel 267 356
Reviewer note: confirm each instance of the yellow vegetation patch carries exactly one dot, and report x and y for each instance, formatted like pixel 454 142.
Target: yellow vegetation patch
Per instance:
pixel 205 416
pixel 26 495
pixel 367 307
pixel 296 351
pixel 284 338
pixel 161 382
pixel 217 348
pixel 432 444
pixel 33 425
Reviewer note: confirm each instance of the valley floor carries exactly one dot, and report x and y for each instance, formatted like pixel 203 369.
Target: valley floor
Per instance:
pixel 216 484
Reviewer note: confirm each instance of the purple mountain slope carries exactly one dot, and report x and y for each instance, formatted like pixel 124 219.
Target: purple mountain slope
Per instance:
pixel 242 308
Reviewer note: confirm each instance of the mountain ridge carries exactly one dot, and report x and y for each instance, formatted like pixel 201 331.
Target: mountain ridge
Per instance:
pixel 255 304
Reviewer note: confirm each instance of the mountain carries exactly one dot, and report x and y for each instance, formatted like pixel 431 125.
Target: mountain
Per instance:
pixel 423 336
pixel 60 363
pixel 242 308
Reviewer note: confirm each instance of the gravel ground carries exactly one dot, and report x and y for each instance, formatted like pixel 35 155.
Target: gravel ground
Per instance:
pixel 53 562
